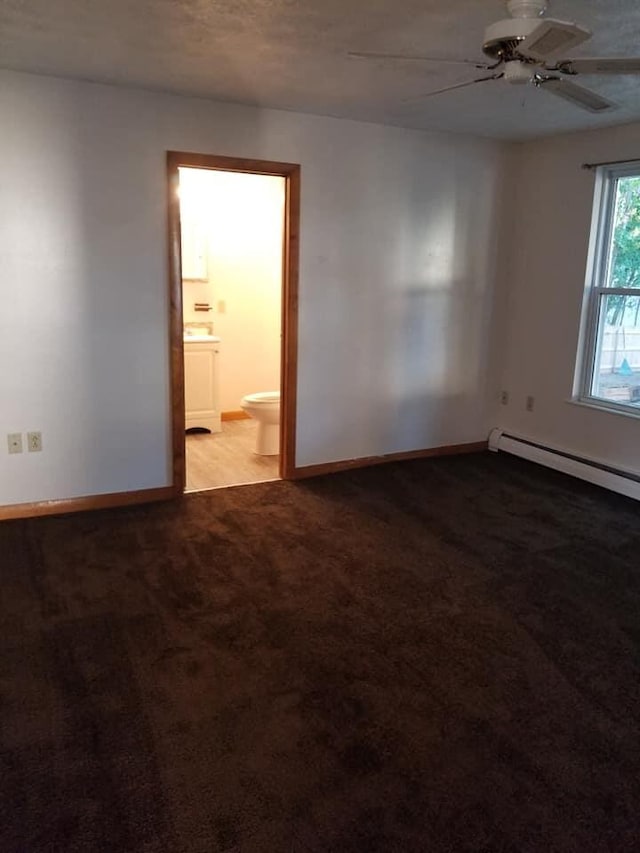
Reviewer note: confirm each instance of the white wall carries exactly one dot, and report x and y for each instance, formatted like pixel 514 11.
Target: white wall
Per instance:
pixel 242 221
pixel 397 266
pixel 544 276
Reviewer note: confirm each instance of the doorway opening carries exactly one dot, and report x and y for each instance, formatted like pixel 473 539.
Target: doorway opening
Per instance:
pixel 233 267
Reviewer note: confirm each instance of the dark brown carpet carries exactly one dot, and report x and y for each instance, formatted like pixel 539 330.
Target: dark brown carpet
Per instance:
pixel 431 656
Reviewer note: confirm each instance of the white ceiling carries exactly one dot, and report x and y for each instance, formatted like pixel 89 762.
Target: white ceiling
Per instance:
pixel 291 54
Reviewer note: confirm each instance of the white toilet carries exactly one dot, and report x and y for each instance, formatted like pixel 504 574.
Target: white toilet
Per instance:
pixel 265 408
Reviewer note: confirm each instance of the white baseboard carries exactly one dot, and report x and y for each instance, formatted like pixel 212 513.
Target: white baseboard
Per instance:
pixel 596 471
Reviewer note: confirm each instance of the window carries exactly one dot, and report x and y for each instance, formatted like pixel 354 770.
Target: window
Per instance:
pixel 610 348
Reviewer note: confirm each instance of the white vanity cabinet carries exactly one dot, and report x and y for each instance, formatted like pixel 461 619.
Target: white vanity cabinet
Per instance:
pixel 201 382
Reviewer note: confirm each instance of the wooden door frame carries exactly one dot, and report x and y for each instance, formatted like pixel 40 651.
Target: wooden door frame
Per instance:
pixel 289 322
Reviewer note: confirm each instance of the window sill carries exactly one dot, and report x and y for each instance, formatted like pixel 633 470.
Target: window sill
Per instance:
pixel 609 408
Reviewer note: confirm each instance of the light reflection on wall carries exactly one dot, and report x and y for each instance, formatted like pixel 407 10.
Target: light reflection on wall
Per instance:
pixel 438 317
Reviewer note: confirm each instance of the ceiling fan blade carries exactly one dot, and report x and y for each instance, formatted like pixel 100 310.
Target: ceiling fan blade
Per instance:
pixel 550 37
pixel 577 95
pixel 600 65
pixel 451 88
pixel 403 56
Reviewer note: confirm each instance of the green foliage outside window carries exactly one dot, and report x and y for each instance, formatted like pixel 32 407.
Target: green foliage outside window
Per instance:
pixel 625 254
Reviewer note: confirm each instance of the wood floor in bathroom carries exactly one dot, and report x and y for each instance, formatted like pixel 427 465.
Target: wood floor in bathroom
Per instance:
pixel 227 458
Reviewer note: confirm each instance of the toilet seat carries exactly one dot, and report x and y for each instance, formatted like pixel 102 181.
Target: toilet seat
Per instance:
pixel 263 397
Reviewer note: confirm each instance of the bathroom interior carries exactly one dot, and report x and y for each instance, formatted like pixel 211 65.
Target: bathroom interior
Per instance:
pixel 232 228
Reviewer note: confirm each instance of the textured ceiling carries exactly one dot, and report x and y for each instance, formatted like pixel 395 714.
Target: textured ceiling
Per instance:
pixel 291 54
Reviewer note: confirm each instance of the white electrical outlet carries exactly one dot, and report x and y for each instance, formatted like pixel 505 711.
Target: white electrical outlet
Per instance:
pixel 14 442
pixel 34 442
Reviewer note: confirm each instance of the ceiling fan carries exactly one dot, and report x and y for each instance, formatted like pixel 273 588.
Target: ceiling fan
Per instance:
pixel 523 49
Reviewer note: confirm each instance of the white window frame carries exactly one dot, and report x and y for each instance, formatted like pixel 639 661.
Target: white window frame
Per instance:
pixel 596 290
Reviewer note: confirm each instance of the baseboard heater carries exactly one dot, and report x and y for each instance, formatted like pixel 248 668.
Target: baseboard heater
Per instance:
pixel 585 468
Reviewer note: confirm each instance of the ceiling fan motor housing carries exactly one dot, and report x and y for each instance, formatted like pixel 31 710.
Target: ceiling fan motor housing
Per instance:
pixel 531 39
pixel 501 39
